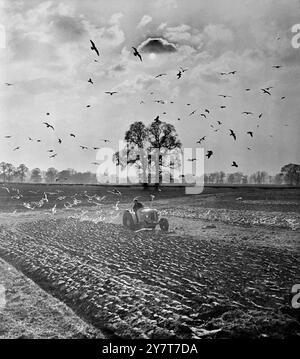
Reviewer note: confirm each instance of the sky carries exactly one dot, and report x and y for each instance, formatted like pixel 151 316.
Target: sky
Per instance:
pixel 48 59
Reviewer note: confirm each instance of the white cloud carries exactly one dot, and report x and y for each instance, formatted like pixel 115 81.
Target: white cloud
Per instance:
pixel 146 19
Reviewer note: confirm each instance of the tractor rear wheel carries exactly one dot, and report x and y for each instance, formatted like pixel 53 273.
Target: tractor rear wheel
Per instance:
pixel 127 220
pixel 164 224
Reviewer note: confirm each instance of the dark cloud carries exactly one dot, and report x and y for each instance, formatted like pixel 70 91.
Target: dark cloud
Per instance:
pixel 68 28
pixel 157 45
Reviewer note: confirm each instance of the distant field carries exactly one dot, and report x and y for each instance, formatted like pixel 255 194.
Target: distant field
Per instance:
pixel 13 195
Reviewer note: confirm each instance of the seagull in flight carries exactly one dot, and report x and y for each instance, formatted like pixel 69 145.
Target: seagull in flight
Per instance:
pixel 17 148
pixel 260 115
pixel 91 81
pixel 160 75
pixel 111 92
pixel 247 113
pixel 48 125
pixel 209 154
pixel 266 91
pixel 250 133
pixel 224 96
pixel 202 139
pixel 72 135
pixel 234 164
pixel 136 53
pixel 54 155
pixel 277 66
pixel 192 113
pixel 83 147
pixel 178 75
pixel 232 134
pixel 59 141
pixel 93 47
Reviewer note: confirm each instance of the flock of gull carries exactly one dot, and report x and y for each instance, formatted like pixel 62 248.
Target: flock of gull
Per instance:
pixel 203 114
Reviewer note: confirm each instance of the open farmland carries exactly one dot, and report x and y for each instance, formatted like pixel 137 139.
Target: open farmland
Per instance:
pixel 225 269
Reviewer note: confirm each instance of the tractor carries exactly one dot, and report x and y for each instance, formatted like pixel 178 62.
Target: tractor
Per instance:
pixel 144 218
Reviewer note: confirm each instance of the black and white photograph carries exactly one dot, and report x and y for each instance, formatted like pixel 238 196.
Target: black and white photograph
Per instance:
pixel 149 172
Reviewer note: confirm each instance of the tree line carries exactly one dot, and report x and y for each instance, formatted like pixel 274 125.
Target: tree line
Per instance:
pixel 289 174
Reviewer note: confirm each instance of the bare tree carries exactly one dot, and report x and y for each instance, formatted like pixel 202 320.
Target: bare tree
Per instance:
pixel 22 171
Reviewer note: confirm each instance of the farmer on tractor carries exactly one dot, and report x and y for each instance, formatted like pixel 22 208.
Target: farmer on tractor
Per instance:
pixel 136 206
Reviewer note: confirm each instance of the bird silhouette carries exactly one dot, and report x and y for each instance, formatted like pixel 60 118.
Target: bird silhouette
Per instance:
pixel 247 89
pixel 247 113
pixel 277 66
pixel 234 164
pixel 224 96
pixel 223 106
pixel 83 147
pixel 50 150
pixel 72 135
pixel 59 141
pixel 7 136
pixel 202 139
pixel 250 133
pixel 38 140
pixel 260 115
pixel 232 134
pixel 136 53
pixel 203 115
pixel 88 106
pixel 54 155
pixel 8 84
pixel 192 159
pixel 16 148
pixel 192 113
pixel 105 140
pixel 266 91
pixel 91 81
pixel 48 125
pixel 219 122
pixel 96 148
pixel 178 74
pixel 30 139
pixel 160 75
pixel 206 110
pixel 93 47
pixel 110 92
pixel 209 154
pixel 232 72
pixel 282 98
pixel 182 69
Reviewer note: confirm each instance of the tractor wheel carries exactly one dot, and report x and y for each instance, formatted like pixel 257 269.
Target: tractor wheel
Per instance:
pixel 127 220
pixel 164 224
